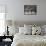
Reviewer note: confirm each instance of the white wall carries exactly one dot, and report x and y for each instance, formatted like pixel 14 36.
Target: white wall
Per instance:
pixel 41 11
pixel 15 9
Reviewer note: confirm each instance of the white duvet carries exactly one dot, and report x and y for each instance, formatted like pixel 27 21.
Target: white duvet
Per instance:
pixel 29 40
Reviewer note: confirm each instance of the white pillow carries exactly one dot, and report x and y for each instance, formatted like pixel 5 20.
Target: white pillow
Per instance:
pixel 24 30
pixel 42 30
pixel 36 30
pixel 44 27
pixel 21 30
pixel 28 31
pixel 13 30
pixel 28 26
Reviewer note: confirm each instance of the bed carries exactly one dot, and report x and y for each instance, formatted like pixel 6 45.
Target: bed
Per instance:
pixel 29 40
pixel 25 38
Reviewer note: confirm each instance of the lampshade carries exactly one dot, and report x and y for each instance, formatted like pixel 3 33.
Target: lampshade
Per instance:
pixel 9 22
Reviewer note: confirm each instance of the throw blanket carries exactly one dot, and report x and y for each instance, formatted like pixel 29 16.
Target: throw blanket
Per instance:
pixel 29 40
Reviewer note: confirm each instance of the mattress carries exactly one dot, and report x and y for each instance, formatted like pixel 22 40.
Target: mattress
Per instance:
pixel 28 40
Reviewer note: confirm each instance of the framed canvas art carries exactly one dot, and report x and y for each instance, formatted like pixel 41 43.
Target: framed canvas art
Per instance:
pixel 30 9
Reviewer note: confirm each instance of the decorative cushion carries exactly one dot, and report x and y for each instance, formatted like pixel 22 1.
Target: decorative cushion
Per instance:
pixel 36 30
pixel 24 30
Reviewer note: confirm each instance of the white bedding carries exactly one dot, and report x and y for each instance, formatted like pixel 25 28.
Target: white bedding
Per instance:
pixel 29 40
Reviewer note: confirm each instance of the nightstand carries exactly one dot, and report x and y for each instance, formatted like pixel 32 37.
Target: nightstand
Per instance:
pixel 7 43
pixel 6 40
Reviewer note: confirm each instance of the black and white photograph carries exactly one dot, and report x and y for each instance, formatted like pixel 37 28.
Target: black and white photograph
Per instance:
pixel 30 9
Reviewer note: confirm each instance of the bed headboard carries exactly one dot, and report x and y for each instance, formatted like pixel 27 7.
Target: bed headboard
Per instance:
pixel 21 23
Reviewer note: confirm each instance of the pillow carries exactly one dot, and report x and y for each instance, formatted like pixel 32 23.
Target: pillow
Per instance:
pixel 24 30
pixel 33 30
pixel 36 30
pixel 44 26
pixel 44 29
pixel 21 30
pixel 13 30
pixel 28 26
pixel 28 29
